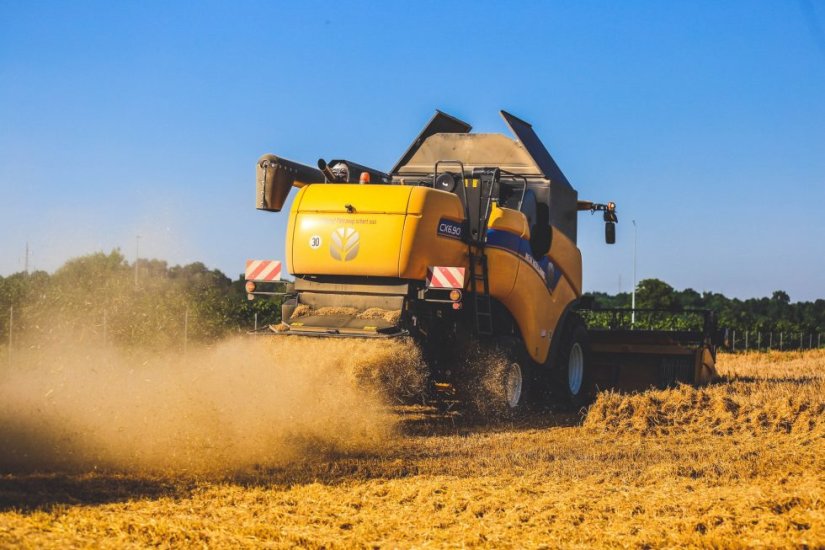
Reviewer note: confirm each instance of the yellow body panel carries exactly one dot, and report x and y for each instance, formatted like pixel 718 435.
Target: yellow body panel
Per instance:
pixel 397 231
pixel 329 239
pixel 365 199
pixel 536 299
pixel 506 219
pixel 502 275
pixel 392 231
pixel 504 265
pixel 421 243
pixel 567 257
pixel 537 309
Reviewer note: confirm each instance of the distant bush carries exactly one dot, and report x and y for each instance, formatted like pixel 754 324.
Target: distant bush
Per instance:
pixel 85 291
pixel 774 314
pixel 96 293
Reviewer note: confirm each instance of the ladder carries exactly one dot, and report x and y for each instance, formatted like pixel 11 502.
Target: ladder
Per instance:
pixel 480 288
pixel 479 272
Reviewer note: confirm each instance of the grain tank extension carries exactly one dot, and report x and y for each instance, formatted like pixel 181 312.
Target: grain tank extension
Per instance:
pixel 469 240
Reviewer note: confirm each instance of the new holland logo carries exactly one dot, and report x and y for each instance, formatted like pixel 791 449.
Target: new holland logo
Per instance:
pixel 344 245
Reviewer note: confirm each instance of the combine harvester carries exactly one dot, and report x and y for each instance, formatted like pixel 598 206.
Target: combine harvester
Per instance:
pixel 469 240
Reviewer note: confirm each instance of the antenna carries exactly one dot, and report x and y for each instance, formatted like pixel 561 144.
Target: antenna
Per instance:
pixel 26 261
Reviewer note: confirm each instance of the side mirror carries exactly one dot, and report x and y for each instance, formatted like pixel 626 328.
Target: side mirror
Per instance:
pixel 610 232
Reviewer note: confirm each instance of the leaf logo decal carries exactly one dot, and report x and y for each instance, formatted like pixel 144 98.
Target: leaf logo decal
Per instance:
pixel 344 244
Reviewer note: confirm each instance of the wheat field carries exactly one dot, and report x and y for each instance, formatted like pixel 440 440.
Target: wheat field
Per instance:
pixel 739 463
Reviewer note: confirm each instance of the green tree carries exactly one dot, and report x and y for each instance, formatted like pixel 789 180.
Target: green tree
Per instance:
pixel 653 293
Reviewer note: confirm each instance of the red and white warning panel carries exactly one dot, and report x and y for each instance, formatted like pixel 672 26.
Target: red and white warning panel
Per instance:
pixel 445 277
pixel 263 271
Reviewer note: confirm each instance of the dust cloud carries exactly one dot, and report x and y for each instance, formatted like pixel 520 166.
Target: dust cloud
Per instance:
pixel 243 403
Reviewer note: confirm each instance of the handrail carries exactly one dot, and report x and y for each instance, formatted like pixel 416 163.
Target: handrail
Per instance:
pixel 463 183
pixel 523 189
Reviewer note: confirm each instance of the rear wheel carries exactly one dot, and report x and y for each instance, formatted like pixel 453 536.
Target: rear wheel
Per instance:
pixel 513 379
pixel 573 385
pixel 575 368
pixel 513 386
pixel 499 379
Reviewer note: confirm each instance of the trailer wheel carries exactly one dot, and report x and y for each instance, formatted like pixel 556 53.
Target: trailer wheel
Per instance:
pixel 573 372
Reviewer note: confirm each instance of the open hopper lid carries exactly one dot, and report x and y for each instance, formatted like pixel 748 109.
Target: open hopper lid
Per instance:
pixel 446 137
pixel 440 123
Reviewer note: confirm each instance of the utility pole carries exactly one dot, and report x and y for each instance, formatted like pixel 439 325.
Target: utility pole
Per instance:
pixel 633 298
pixel 137 257
pixel 26 261
pixel 11 330
pixel 186 330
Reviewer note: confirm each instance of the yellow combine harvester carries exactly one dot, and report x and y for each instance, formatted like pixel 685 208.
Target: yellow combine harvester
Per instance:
pixel 469 240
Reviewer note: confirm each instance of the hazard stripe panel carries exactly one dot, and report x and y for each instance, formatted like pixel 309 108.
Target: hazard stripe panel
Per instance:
pixel 263 271
pixel 445 277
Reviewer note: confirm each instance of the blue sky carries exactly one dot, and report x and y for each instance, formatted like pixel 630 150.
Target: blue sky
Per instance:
pixel 703 121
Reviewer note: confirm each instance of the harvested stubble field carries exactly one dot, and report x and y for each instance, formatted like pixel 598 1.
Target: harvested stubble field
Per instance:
pixel 735 464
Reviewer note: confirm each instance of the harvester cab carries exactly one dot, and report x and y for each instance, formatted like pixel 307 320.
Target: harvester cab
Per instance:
pixel 468 241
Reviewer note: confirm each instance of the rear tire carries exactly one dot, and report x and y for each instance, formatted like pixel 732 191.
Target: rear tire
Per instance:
pixel 573 371
pixel 516 381
pixel 513 382
pixel 500 380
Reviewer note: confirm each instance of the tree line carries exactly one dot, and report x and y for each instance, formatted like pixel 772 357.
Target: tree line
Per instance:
pixel 768 314
pixel 95 298
pixel 98 298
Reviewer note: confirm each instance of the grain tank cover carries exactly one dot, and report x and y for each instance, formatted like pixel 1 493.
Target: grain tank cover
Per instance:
pixel 474 151
pixel 538 152
pixel 441 123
